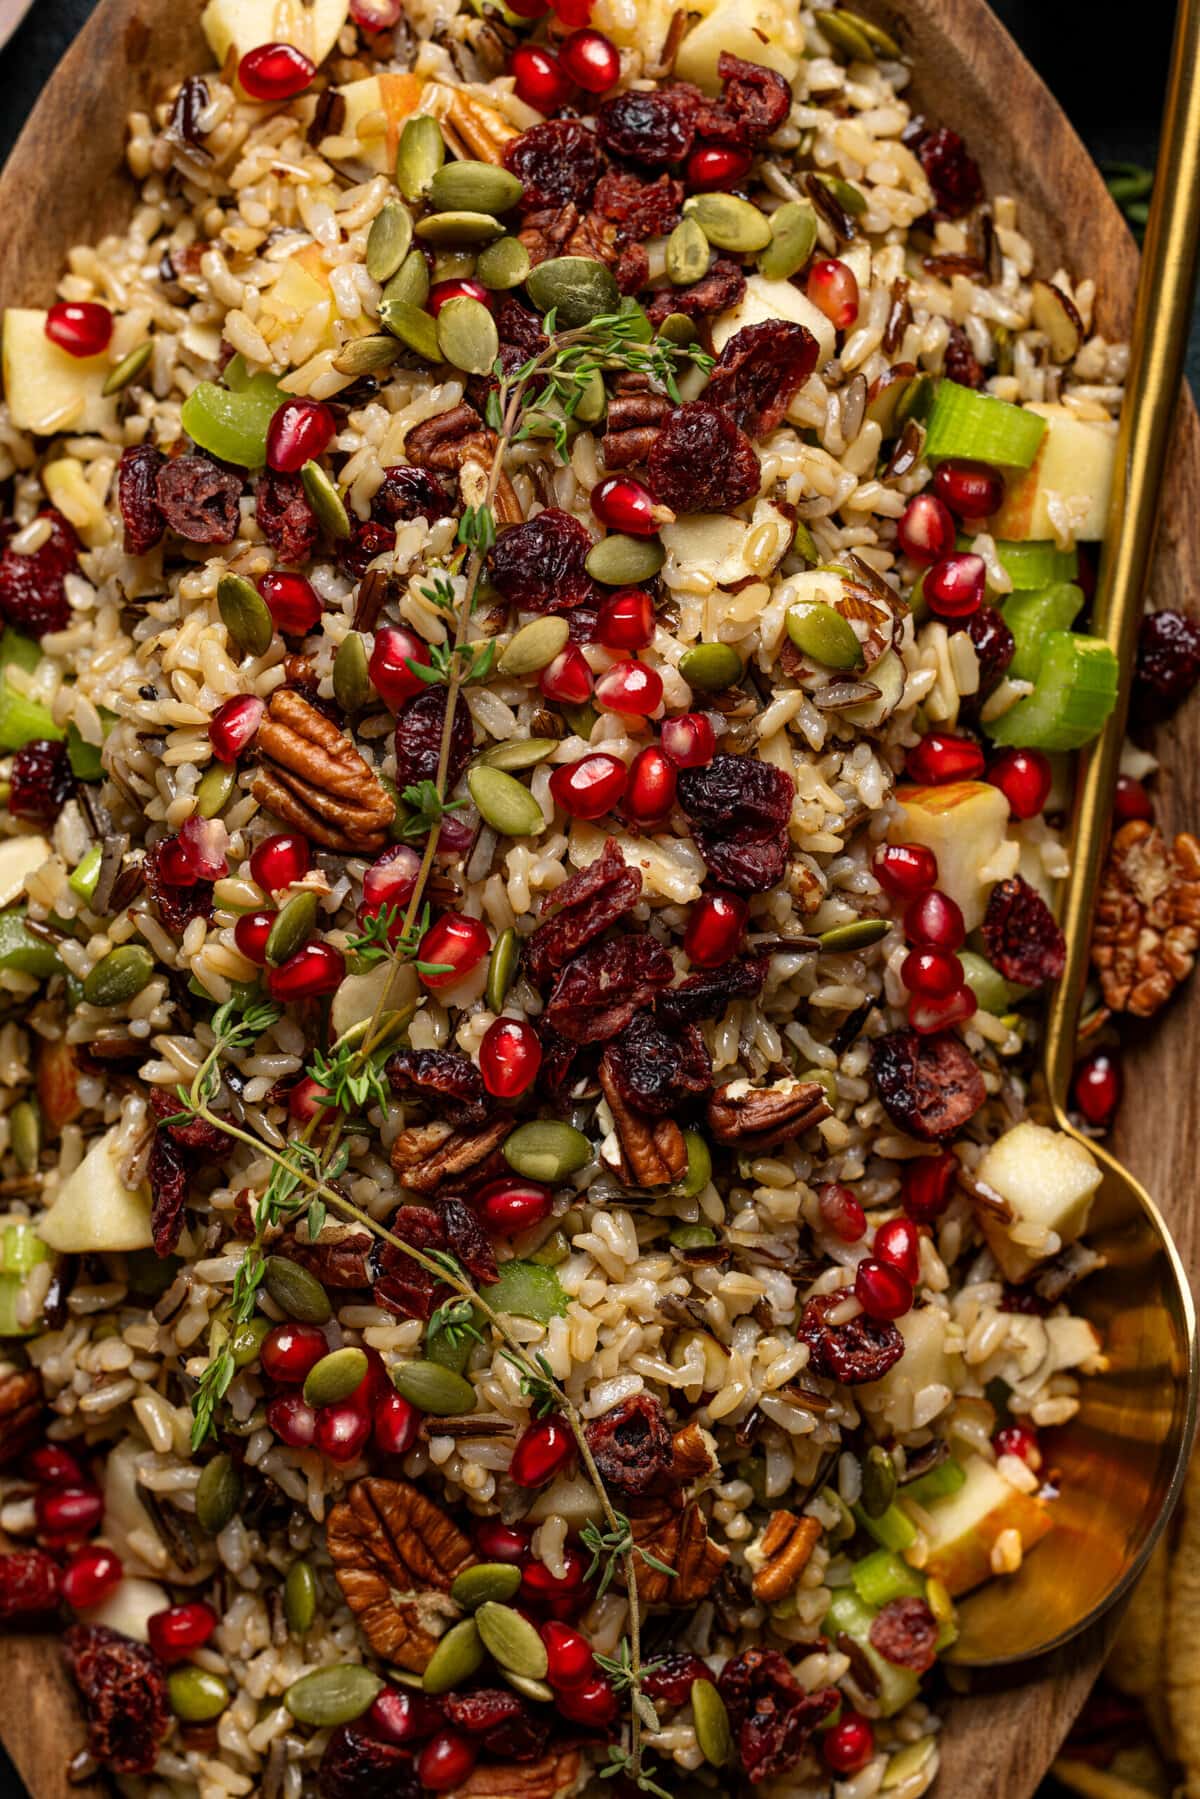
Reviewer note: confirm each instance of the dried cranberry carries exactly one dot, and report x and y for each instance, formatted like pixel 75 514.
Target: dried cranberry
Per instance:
pixel 28 1584
pixel 994 643
pixel 124 1692
pixel 41 782
pixel 1020 935
pixel 657 1071
pixel 539 565
pixel 167 1172
pixel 447 1077
pixel 285 518
pixel 755 103
pixel 631 1445
pixel 951 173
pixel 759 370
pixel 358 1764
pixel 707 993
pixel 599 992
pixel 928 1086
pixel 512 1729
pixel 772 1716
pixel 400 1284
pixel 862 1350
pixel 419 739
pixel 1168 662
pixel 356 553
pixel 739 808
pixel 407 492
pixel 641 209
pixel 668 1679
pixel 33 596
pixel 653 126
pixel 586 904
pixel 519 330
pixel 905 1631
pixel 960 363
pixel 701 461
pixel 199 500
pixel 468 1241
pixel 177 902
pixel 559 162
pixel 137 496
pixel 721 288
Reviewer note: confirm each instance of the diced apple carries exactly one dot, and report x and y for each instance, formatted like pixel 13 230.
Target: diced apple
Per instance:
pixel 964 823
pixel 389 984
pixel 761 31
pixel 963 1528
pixel 47 390
pixel 19 856
pixel 926 1363
pixel 311 25
pixel 1048 1181
pixel 716 542
pixel 388 100
pixel 125 1515
pixel 1074 466
pixel 765 299
pixel 95 1212
pixel 571 1497
pixel 129 1607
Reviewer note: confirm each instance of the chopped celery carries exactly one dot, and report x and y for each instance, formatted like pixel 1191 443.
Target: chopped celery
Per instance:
pixel 893 1530
pixel 992 993
pixel 1075 692
pixel 1039 563
pixel 965 423
pixel 1030 615
pixel 22 652
pixel 10 1293
pixel 85 876
pixel 881 1576
pixel 938 1483
pixel 232 424
pixel 21 950
pixel 84 758
pixel 530 1290
pixel 21 1249
pixel 847 1613
pixel 24 721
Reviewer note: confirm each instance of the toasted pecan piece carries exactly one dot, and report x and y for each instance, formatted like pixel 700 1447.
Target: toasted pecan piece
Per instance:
pixel 763 1117
pixel 313 777
pixel 1147 926
pixel 20 1412
pixel 552 1777
pixel 396 1554
pixel 786 1546
pixel 425 1155
pixel 458 442
pixel 678 1537
pixel 653 1150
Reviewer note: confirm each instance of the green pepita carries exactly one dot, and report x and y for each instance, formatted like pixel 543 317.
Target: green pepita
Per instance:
pixel 850 198
pixel 485 1581
pixel 351 680
pixel 218 1494
pixel 504 803
pixel 247 1341
pixel 537 1690
pixel 553 1252
pixel 618 561
pixel 420 153
pixel 364 355
pixel 512 1640
pixel 547 1150
pixel 593 400
pixel 458 1655
pixel 503 264
pixel 128 369
pixel 325 501
pixel 804 544
pixel 216 788
pixel 416 329
pixel 335 1376
pixel 534 646
pixel 730 223
pixel 519 752
pixel 576 288
pixel 906 1763
pixel 844 1529
pixel 474 187
pixel 858 934
pixel 502 966
pixel 330 1696
pixel 453 265
pixel 793 239
pixel 25 1135
pixel 710 667
pixel 245 614
pixel 120 976
pixel 677 328
pixel 195 1695
pixel 713 1735
pixel 410 283
pixel 876 36
pixel 878 1481
pixel 846 35
pixel 825 1079
pixel 821 632
pixel 467 335
pixel 433 1389
pixel 389 240
pixel 296 1291
pixel 300 1598
pixel 699 1165
pixel 687 253
pixel 459 228
pixel 294 925
pixel 693 1236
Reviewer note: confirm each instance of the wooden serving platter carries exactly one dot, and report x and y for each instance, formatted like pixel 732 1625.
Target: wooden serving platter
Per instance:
pixel 65 183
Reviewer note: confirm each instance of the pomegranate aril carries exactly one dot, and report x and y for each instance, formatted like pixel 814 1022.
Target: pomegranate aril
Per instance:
pixel 404 1717
pixel 80 327
pixel 462 288
pixel 934 921
pixel 175 1632
pixel 175 865
pixel 67 1513
pixel 905 869
pixel 299 432
pixel 54 1466
pixel 293 1420
pixel 591 60
pixel 622 504
pixel 689 740
pixel 508 1207
pixel 280 861
pixel 499 1542
pixel 930 1015
pixel 593 1702
pixel 376 15
pixel 713 166
pixel 1131 800
pixel 629 687
pixel 445 1761
pixel 590 787
pixel 542 1450
pixel 1019 1440
pixel 833 289
pixel 940 758
pixel 573 13
pixel 562 1595
pixel 539 78
pixel 388 667
pixel 292 602
pixel 396 1425
pixel 928 1186
pixel 898 1244
pixel 841 1213
pixel 568 679
pixel 509 1057
pixel 715 927
pixel 389 882
pixel 955 586
pixel 90 1576
pixel 626 620
pixel 250 933
pixel 970 489
pixel 204 842
pixel 290 1350
pixel 850 1745
pixel 307 1100
pixel 1097 1088
pixel 933 973
pixel 342 1431
pixel 882 1291
pixel 568 1655
pixel 454 944
pixel 925 529
pixel 1024 777
pixel 651 791
pixel 316 969
pixel 234 725
pixel 274 72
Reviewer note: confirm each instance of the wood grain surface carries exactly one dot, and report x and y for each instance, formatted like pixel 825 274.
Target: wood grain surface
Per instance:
pixel 65 183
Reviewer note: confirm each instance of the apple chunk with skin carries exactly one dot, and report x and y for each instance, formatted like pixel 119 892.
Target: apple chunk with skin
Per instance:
pixel 965 824
pixel 311 26
pixel 47 390
pixel 1048 1181
pixel 1073 467
pixel 95 1212
pixel 963 1528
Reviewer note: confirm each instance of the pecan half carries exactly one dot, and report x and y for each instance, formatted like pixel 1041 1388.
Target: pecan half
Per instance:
pixel 763 1117
pixel 694 1456
pixel 313 777
pixel 653 1150
pixel 678 1537
pixel 1147 926
pixel 425 1155
pixel 456 443
pixel 554 1776
pixel 396 1555
pixel 631 427
pixel 786 1547
pixel 483 132
pixel 20 1413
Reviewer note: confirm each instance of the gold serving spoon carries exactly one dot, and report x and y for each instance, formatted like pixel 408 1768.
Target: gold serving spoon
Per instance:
pixel 1121 1460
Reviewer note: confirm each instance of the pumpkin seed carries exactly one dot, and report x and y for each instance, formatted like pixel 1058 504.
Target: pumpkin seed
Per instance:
pixel 878 1481
pixel 846 35
pixel 458 1655
pixel 793 239
pixel 825 1079
pixel 850 198
pixel 519 752
pixel 120 976
pixel 467 335
pixel 364 355
pixel 730 223
pixel 687 252
pixel 805 544
pixel 624 561
pixel 293 927
pixel 876 36
pixel 710 667
pixel 216 786
pixel 296 1291
pixel 195 1695
pixel 677 328
pixel 503 264
pixel 128 369
pixel 505 804
pixel 553 1251
pixel 416 329
pixel 502 966
pixel 389 240
pixel 534 646
pixel 325 501
pixel 856 935
pixel 486 1580
pixel 459 228
pixel 593 400
pixel 547 1150
pixel 537 1690
pixel 693 1236
pixel 713 1735
pixel 351 681
pixel 247 1340
pixel 420 153
pixel 474 187
pixel 576 288
pixel 512 1640
pixel 906 1763
pixel 335 1376
pixel 410 283
pixel 699 1165
pixel 245 614
pixel 434 1389
pixel 821 632
pixel 218 1494
pixel 300 1598
pixel 330 1696
pixel 25 1135
pixel 580 720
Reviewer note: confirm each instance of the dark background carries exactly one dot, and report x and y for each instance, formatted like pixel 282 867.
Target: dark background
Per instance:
pixel 1116 111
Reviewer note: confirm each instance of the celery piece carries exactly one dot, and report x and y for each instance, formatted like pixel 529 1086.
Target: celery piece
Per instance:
pixel 529 1289
pixel 21 1249
pixel 10 1292
pixel 20 651
pixel 898 1687
pixel 881 1576
pixel 85 758
pixel 24 721
pixel 939 1482
pixel 232 424
pixel 1039 563
pixel 85 875
pixel 1030 615
pixel 965 423
pixel 992 993
pixel 21 950
pixel 892 1531
pixel 1075 692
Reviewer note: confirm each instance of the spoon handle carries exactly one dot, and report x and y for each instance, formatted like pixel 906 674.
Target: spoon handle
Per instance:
pixel 1162 316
